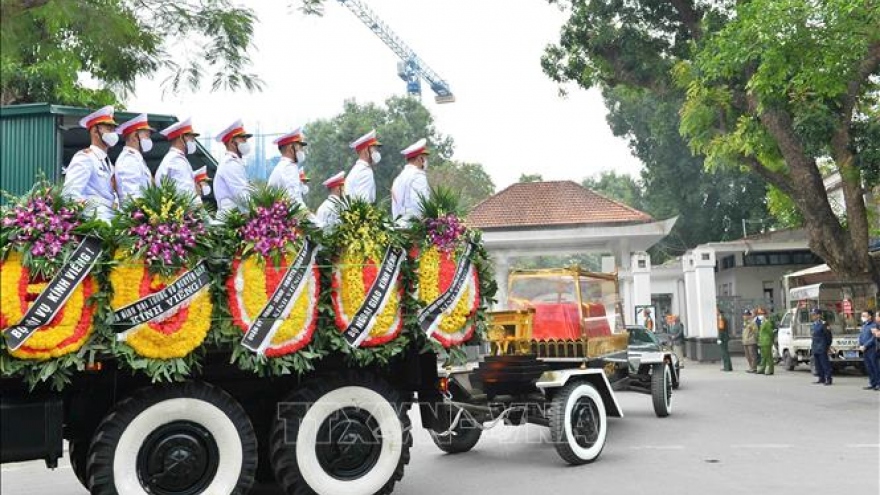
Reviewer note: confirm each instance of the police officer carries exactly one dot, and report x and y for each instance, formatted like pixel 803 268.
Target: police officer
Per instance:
pixel 132 173
pixel 750 341
pixel 286 173
pixel 820 346
pixel 89 176
pixel 723 340
pixel 174 164
pixel 411 185
pixel 231 182
pixel 765 342
pixel 360 182
pixel 328 214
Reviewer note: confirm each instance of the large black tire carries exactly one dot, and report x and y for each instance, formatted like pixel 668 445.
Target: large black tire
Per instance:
pixel 661 389
pixel 676 377
pixel 181 438
pixel 788 361
pixel 341 434
pixel 578 423
pixel 78 453
pixel 465 437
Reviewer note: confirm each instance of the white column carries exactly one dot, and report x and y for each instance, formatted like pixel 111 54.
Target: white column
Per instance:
pixel 502 271
pixel 640 267
pixel 609 264
pixel 690 293
pixel 704 274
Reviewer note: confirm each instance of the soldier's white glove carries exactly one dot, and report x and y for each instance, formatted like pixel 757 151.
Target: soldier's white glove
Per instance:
pixel 719 341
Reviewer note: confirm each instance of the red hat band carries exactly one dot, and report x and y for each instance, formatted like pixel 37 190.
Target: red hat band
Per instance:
pixel 366 144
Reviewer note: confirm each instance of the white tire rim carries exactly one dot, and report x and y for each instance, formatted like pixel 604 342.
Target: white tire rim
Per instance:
pixel 590 392
pixel 207 415
pixel 390 430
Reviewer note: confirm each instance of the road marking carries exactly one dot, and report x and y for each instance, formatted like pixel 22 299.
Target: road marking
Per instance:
pixel 761 446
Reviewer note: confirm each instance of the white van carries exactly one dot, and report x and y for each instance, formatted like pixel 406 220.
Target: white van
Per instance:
pixel 841 304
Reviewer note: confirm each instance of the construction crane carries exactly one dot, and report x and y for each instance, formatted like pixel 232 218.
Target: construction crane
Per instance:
pixel 410 68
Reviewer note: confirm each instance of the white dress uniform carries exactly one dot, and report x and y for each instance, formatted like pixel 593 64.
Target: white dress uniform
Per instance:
pixel 176 167
pixel 360 182
pixel 406 192
pixel 230 182
pixel 286 176
pixel 328 213
pixel 89 178
pixel 132 174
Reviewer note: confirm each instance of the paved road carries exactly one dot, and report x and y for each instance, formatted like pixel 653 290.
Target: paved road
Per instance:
pixel 730 434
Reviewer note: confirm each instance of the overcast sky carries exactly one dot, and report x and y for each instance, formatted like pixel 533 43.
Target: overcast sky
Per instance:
pixel 488 52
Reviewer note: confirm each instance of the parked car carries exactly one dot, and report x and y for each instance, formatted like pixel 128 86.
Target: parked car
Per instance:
pixel 642 340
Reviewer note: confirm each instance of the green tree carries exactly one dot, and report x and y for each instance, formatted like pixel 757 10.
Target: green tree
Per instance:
pixel 47 45
pixel 400 122
pixel 531 178
pixel 619 187
pixel 770 86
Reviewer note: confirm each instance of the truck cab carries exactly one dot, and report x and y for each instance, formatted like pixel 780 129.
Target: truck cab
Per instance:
pixel 840 303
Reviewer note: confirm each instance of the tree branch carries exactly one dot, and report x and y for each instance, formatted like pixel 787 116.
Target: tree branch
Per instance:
pixel 869 65
pixel 689 17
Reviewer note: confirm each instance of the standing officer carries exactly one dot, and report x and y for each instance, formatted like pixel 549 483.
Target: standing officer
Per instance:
pixel 820 346
pixel 89 176
pixel 231 182
pixel 765 342
pixel 174 164
pixel 360 182
pixel 868 346
pixel 411 184
pixel 723 340
pixel 132 173
pixel 750 341
pixel 328 214
pixel 286 172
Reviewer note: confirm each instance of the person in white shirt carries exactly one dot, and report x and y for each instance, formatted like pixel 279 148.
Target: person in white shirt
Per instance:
pixel 360 182
pixel 328 213
pixel 411 185
pixel 231 182
pixel 89 176
pixel 286 173
pixel 132 173
pixel 174 166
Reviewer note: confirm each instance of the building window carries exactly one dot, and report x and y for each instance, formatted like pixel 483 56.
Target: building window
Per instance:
pixel 728 262
pixel 781 258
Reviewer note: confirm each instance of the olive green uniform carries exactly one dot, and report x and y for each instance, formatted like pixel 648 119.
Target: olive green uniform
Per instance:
pixel 723 339
pixel 765 342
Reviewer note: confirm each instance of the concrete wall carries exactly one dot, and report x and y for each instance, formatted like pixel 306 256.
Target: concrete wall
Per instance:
pixel 749 282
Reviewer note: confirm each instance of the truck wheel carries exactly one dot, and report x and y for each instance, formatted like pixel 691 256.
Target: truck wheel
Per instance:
pixel 578 424
pixel 789 362
pixel 465 437
pixel 661 389
pixel 341 435
pixel 78 452
pixel 676 376
pixel 183 438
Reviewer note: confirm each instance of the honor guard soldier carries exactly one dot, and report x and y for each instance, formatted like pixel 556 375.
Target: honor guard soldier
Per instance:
pixel 328 214
pixel 174 165
pixel 360 182
pixel 89 176
pixel 132 173
pixel 286 173
pixel 231 182
pixel 411 185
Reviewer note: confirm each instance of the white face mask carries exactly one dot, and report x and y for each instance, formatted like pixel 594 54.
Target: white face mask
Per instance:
pixel 300 156
pixel 865 320
pixel 146 145
pixel 305 189
pixel 376 156
pixel 190 147
pixel 110 138
pixel 244 148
